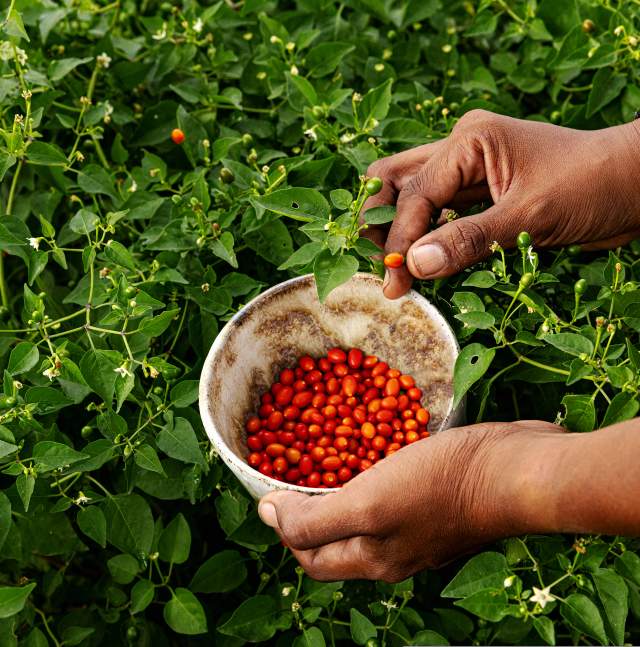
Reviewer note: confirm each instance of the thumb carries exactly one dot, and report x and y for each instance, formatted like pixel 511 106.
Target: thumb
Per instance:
pixel 461 243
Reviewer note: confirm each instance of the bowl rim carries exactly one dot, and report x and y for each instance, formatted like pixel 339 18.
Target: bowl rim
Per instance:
pixel 207 373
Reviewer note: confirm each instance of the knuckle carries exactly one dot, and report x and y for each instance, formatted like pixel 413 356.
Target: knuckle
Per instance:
pixel 476 117
pixel 468 241
pixel 377 168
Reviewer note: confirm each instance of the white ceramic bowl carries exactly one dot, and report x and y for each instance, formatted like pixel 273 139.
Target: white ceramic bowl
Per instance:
pixel 287 321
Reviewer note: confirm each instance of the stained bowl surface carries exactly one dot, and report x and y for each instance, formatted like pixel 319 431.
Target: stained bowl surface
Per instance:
pixel 287 321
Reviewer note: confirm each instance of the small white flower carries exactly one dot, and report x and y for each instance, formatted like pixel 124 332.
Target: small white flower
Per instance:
pixel 294 70
pixel 446 48
pixel 509 581
pixel 542 596
pixel 633 41
pixel 104 60
pixel 198 25
pixel 17 385
pixel 34 242
pixel 389 604
pixel 6 51
pixel 619 30
pixel 356 97
pixel 123 371
pixel 22 56
pixel 108 108
pixel 153 372
pixel 205 287
pixel 81 499
pixel 311 134
pixel 379 67
pixel 134 187
pixel 347 137
pixel 274 39
pixel 51 373
pixel 286 590
pixel 161 34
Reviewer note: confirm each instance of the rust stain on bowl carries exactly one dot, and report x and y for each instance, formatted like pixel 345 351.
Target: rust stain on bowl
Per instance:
pixel 288 321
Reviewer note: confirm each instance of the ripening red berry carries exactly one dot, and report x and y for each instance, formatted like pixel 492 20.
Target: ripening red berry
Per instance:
pixel 330 418
pixel 177 136
pixel 394 260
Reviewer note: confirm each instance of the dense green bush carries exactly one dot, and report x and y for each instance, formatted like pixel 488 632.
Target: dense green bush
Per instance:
pixel 123 254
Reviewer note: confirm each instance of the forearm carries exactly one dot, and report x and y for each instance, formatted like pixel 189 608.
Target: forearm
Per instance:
pixel 577 482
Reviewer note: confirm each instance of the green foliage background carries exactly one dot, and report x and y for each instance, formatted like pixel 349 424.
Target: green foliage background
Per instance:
pixel 123 254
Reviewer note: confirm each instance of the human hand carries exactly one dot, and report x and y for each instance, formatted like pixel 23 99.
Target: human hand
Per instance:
pixel 561 185
pixel 421 507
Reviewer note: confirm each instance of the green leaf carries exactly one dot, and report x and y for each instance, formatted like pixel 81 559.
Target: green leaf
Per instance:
pixel 489 605
pixel 25 484
pixel 311 637
pixel 613 595
pixel 13 25
pixel 375 104
pixel 570 343
pixel 92 522
pixel 7 160
pixel 123 568
pixel 580 413
pixel 362 629
pixel 255 620
pixel 142 595
pixel 13 598
pixel 341 198
pixel 155 326
pixel 84 222
pixel 298 88
pixel 480 279
pixel 582 614
pixel 379 215
pixel 184 613
pixel 222 572
pixel 184 393
pixel 297 203
pixel 429 637
pixel 623 406
pixel 471 364
pixel 628 565
pixel 175 541
pixel 43 154
pixel 117 253
pixel 129 523
pixel 96 181
pixel 331 271
pixel 60 68
pixel 606 86
pixel 49 455
pixel 23 358
pixel 480 320
pixel 222 247
pixel 98 369
pixel 195 134
pixel 179 441
pixel 147 458
pixel 5 517
pixel 484 571
pixel 545 628
pixel 7 448
pixel 303 256
pixel 325 57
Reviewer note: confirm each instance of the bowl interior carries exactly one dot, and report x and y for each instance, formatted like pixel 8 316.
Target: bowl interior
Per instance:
pixel 288 321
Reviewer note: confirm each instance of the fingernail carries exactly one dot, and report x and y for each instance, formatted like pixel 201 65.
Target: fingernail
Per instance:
pixel 429 259
pixel 267 512
pixel 387 278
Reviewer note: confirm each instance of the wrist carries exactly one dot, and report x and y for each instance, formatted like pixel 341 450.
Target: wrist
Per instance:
pixel 525 468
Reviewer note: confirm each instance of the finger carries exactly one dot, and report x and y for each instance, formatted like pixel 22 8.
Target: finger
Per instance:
pixel 610 243
pixel 306 522
pixel 461 243
pixel 456 165
pixel 349 559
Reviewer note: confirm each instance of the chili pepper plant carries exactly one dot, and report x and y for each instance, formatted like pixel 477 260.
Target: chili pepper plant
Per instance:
pixel 162 163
